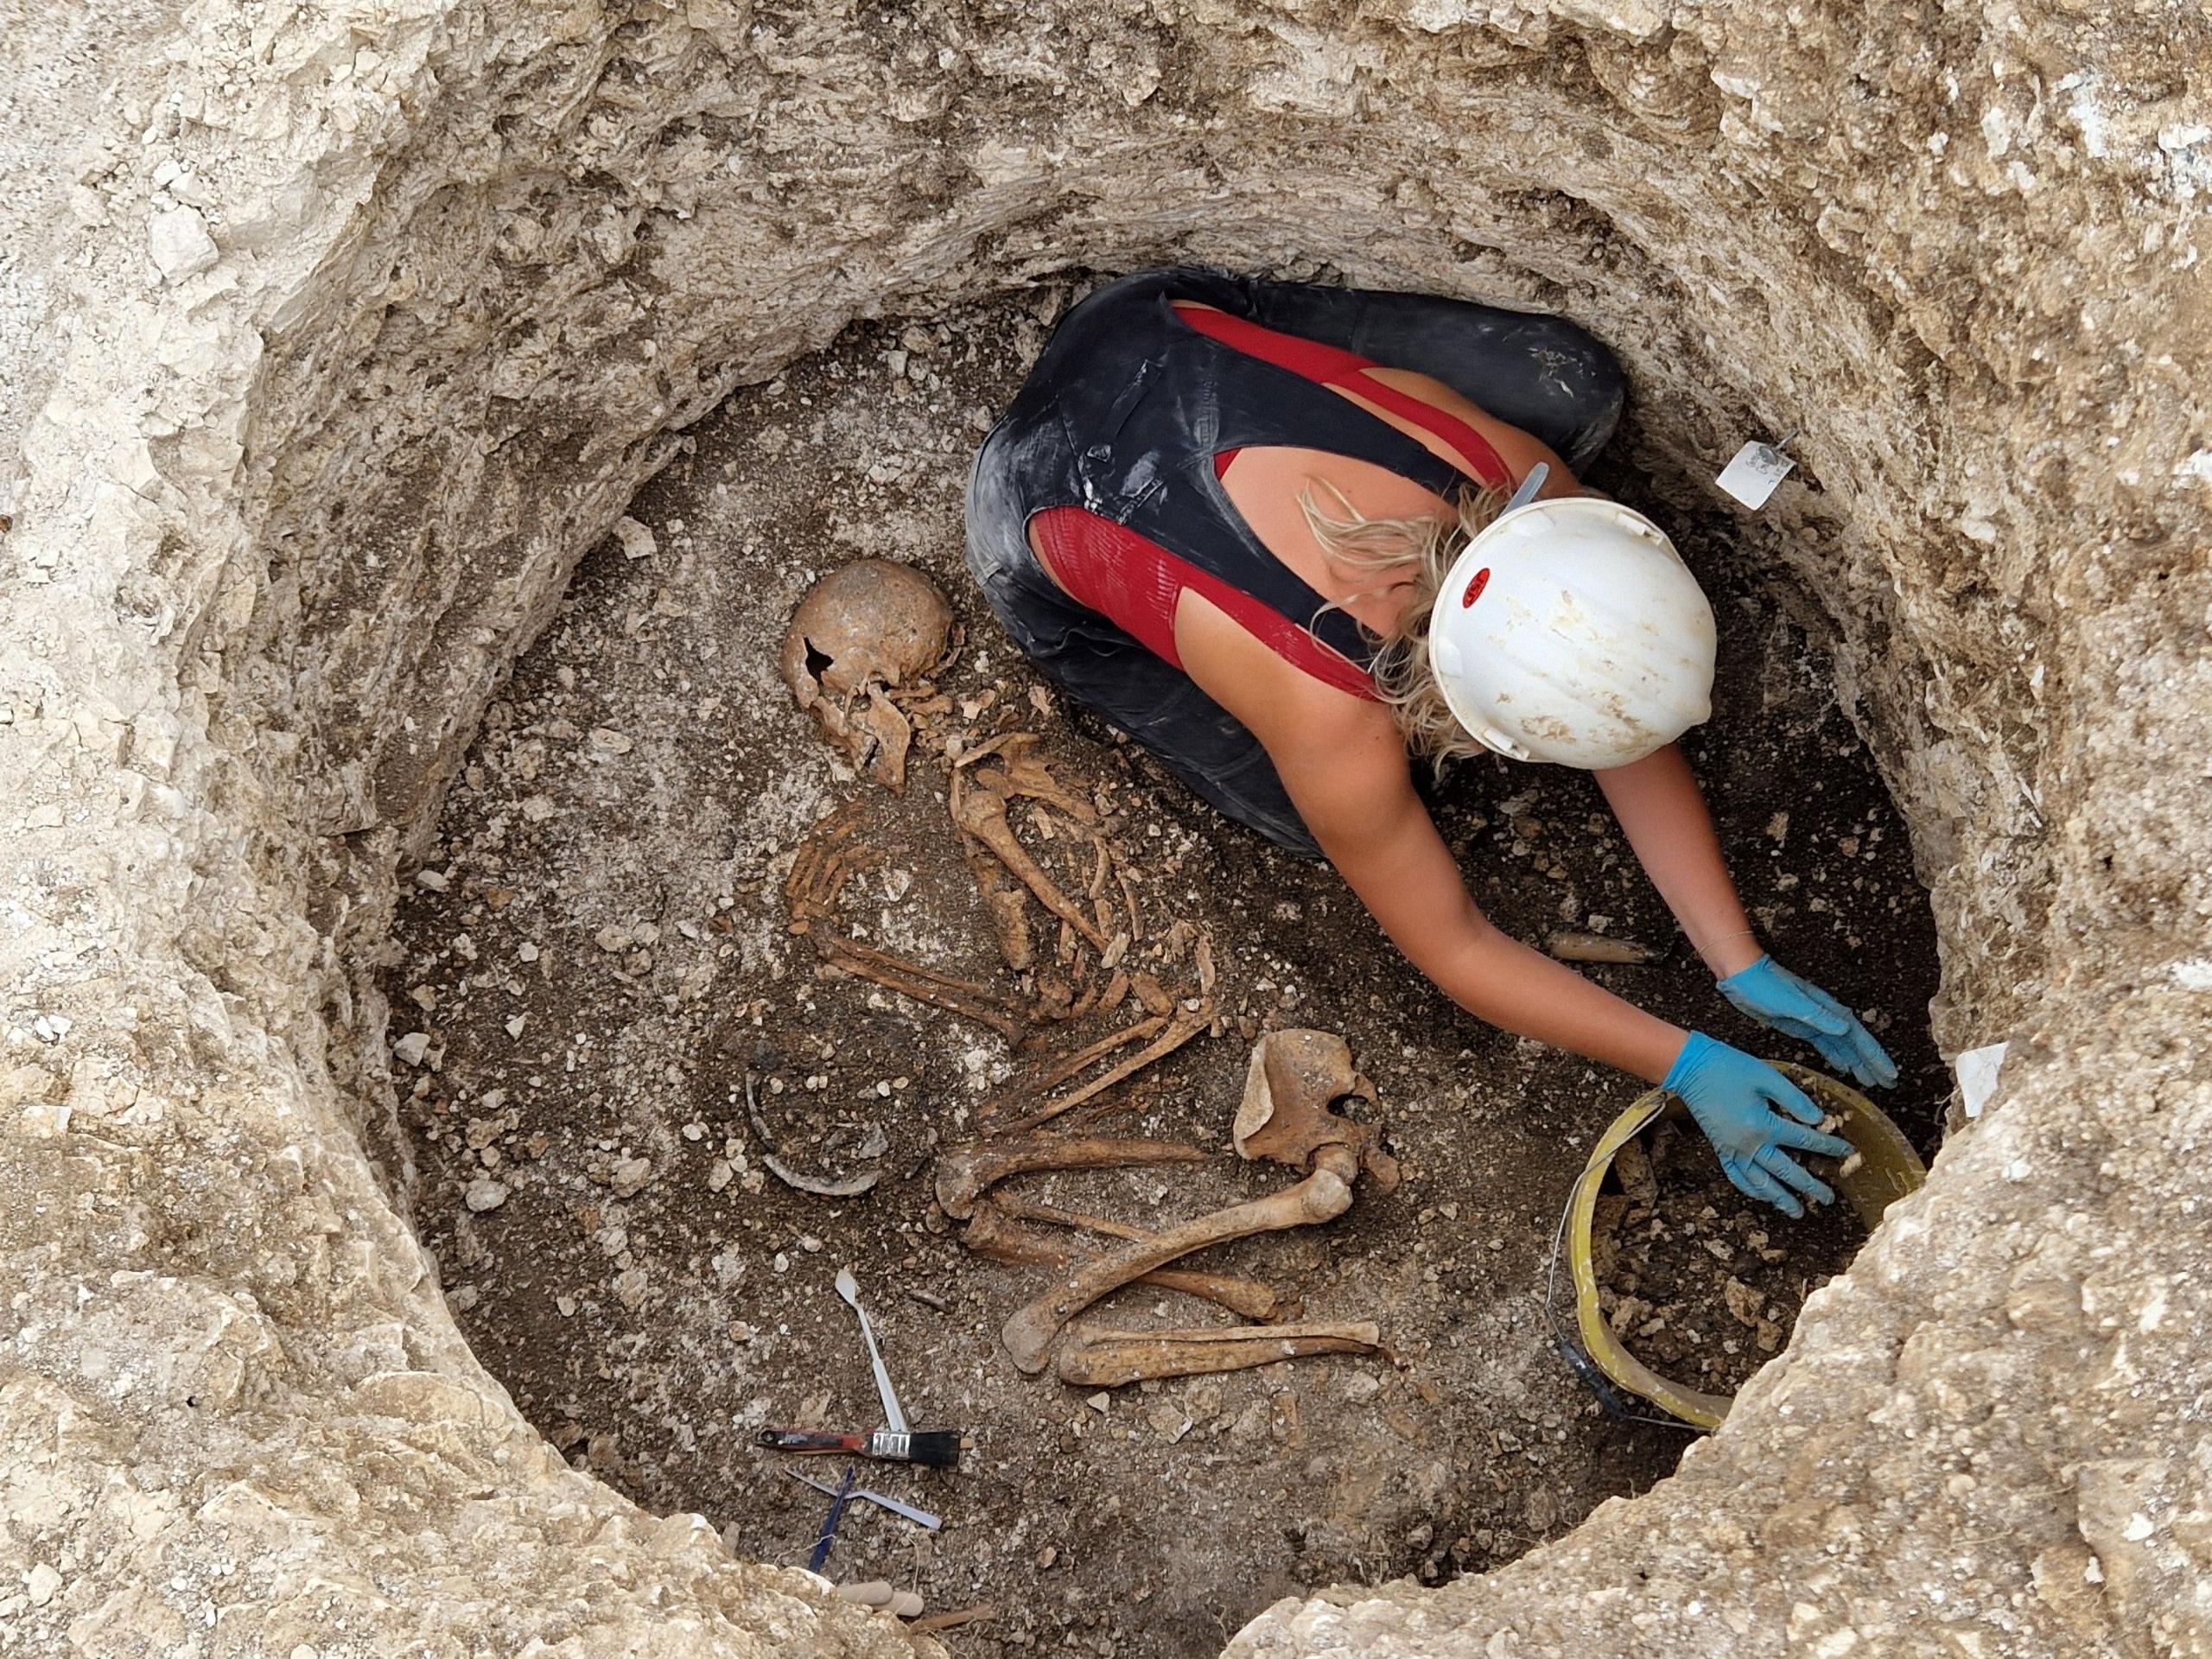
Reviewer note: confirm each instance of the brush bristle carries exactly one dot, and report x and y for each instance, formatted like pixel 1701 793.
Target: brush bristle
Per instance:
pixel 939 1448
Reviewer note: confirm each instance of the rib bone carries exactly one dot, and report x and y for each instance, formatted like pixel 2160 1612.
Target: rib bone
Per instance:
pixel 824 863
pixel 912 979
pixel 1061 1070
pixel 1096 1358
pixel 1181 1030
pixel 963 1173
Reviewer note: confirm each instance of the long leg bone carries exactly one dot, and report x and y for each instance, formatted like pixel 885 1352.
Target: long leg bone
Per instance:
pixel 1284 1116
pixel 1053 1215
pixel 1322 1196
pixel 1252 1299
pixel 990 1234
pixel 963 1173
pixel 1094 1358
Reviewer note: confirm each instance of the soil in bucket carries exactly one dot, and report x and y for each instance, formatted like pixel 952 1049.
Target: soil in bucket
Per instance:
pixel 1698 1281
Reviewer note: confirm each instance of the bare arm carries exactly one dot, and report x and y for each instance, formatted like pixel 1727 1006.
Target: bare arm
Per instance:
pixel 1344 765
pixel 1663 815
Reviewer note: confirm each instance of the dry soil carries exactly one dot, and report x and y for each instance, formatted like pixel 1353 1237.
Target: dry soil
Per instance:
pixel 597 951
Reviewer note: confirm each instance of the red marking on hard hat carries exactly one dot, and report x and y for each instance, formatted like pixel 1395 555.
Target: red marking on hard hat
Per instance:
pixel 1475 588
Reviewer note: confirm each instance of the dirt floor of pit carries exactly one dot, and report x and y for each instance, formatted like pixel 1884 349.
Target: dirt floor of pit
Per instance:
pixel 599 950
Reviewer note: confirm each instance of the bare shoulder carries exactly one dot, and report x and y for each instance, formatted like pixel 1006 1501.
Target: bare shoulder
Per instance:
pixel 1290 711
pixel 1520 451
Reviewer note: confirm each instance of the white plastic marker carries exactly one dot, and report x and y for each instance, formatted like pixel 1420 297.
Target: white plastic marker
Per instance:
pixel 920 1517
pixel 849 1289
pixel 1529 486
pixel 1758 468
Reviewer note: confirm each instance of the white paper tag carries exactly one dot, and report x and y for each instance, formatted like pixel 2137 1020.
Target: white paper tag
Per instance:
pixel 1978 1069
pixel 1751 477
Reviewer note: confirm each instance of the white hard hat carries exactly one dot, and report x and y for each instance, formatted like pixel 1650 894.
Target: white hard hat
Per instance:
pixel 1571 631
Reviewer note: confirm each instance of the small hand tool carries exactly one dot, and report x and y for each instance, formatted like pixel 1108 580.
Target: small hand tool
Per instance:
pixel 849 1289
pixel 829 1527
pixel 940 1448
pixel 920 1517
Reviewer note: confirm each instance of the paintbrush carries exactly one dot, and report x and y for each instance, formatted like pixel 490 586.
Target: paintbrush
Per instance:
pixel 939 1447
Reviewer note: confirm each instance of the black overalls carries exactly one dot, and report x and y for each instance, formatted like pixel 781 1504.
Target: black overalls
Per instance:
pixel 1123 414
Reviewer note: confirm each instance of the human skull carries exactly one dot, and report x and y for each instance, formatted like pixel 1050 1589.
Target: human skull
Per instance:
pixel 868 628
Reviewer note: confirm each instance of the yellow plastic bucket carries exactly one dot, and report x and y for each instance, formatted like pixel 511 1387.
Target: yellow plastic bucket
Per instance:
pixel 1891 1169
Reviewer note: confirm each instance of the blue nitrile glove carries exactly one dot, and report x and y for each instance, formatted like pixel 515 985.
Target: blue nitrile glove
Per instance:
pixel 1733 1097
pixel 1780 1000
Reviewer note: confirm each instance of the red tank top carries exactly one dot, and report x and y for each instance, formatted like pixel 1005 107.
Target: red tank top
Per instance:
pixel 1136 584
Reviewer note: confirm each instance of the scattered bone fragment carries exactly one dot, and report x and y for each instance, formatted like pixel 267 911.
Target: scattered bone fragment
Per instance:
pixel 1745 1304
pixel 1570 946
pixel 879 1592
pixel 991 1234
pixel 1632 1164
pixel 827 1186
pixel 965 1172
pixel 1832 1124
pixel 862 633
pixel 953 1620
pixel 1095 1357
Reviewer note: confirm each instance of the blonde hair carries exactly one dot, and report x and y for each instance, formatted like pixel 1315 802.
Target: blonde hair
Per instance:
pixel 1413 555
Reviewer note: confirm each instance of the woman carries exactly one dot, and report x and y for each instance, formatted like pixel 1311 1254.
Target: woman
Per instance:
pixel 1264 529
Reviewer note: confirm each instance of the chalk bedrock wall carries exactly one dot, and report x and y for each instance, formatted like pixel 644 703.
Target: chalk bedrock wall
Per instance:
pixel 322 426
